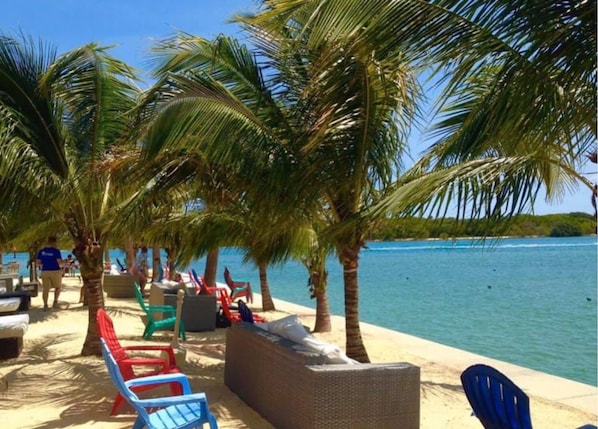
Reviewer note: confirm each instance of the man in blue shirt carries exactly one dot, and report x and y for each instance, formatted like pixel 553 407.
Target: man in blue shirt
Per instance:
pixel 50 260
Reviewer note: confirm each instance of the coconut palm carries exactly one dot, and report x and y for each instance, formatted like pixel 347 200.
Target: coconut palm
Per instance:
pixel 308 131
pixel 517 108
pixel 68 116
pixel 517 77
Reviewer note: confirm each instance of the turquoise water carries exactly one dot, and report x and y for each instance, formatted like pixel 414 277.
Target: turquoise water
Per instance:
pixel 524 301
pixel 528 301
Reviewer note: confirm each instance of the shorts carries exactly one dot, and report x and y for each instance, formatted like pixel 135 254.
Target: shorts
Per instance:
pixel 51 279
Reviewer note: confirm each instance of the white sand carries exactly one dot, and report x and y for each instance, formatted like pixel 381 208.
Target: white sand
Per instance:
pixel 51 386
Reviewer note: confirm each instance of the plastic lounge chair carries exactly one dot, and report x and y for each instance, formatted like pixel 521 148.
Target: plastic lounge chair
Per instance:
pixel 210 290
pixel 236 316
pixel 153 325
pixel 495 399
pixel 188 410
pixel 128 365
pixel 237 289
pixel 200 284
pixel 245 312
pixel 121 266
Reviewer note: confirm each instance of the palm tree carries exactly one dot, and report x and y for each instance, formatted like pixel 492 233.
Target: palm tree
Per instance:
pixel 68 114
pixel 319 129
pixel 517 78
pixel 496 59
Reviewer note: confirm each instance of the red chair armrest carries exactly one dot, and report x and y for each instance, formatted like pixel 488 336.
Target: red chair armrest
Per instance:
pixel 167 349
pixel 145 362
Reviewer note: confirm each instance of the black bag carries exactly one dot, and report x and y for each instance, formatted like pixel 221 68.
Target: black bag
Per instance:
pixel 221 320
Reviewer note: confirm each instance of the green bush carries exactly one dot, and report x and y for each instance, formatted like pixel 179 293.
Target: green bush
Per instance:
pixel 565 230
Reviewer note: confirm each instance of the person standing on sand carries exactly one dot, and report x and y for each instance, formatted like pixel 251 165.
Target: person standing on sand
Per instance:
pixel 50 260
pixel 139 267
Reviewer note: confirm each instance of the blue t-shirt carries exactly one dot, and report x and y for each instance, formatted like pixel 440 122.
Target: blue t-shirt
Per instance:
pixel 49 257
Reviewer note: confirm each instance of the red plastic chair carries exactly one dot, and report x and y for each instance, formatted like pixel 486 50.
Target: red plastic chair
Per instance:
pixel 200 284
pixel 235 316
pixel 127 363
pixel 238 289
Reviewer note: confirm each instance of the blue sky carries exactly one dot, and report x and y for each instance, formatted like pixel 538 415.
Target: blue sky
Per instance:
pixel 132 26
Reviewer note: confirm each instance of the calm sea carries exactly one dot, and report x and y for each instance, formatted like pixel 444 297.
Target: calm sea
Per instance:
pixel 528 301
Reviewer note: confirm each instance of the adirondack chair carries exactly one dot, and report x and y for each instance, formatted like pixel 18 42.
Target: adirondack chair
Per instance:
pixel 201 285
pixel 495 399
pixel 132 367
pixel 237 289
pixel 188 410
pixel 154 325
pixel 237 316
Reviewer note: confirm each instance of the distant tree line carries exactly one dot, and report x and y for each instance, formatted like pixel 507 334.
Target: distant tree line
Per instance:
pixel 553 225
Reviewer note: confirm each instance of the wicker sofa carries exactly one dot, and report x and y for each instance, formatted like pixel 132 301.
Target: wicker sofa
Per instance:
pixel 119 285
pixel 292 387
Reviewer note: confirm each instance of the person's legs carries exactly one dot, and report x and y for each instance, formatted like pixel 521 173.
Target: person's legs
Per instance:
pixel 46 282
pixel 141 279
pixel 57 283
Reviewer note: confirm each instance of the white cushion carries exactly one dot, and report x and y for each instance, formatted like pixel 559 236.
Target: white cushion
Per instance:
pixel 9 304
pixel 291 328
pixel 13 326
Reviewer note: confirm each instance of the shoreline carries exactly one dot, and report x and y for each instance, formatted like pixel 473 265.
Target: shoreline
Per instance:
pixel 67 390
pixel 559 389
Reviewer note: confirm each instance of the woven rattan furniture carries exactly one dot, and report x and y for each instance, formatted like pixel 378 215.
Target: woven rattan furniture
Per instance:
pixel 292 388
pixel 119 285
pixel 198 311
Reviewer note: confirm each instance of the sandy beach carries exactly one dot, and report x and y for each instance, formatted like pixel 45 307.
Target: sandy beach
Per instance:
pixel 51 386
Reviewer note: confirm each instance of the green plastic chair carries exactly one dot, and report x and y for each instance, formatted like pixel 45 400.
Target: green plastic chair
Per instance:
pixel 153 325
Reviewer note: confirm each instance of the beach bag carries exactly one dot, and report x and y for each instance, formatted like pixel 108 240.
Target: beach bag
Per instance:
pixel 221 319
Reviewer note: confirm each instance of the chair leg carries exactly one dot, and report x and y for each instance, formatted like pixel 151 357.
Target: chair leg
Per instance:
pixel 182 331
pixel 118 401
pixel 139 423
pixel 176 389
pixel 149 332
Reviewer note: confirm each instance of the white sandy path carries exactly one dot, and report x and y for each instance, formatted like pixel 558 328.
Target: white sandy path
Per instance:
pixel 51 386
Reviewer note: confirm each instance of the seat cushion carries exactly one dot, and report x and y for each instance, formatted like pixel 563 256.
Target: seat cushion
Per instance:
pixel 14 325
pixel 9 305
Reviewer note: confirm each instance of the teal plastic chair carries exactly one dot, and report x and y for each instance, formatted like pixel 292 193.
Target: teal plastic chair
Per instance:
pixel 496 401
pixel 189 410
pixel 153 325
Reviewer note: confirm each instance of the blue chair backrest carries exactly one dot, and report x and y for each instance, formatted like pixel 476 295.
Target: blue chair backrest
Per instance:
pixel 246 313
pixel 119 381
pixel 495 399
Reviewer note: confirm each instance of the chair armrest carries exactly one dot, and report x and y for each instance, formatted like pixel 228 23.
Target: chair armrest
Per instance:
pixel 172 400
pixel 161 309
pixel 167 349
pixel 161 379
pixel 145 362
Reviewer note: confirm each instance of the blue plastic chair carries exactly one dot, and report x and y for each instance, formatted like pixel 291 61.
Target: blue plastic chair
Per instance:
pixel 186 411
pixel 496 400
pixel 245 312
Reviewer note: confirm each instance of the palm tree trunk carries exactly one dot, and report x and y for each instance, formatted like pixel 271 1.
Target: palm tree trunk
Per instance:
pixel 92 270
pixel 211 268
pixel 354 343
pixel 267 302
pixel 130 253
pixel 322 309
